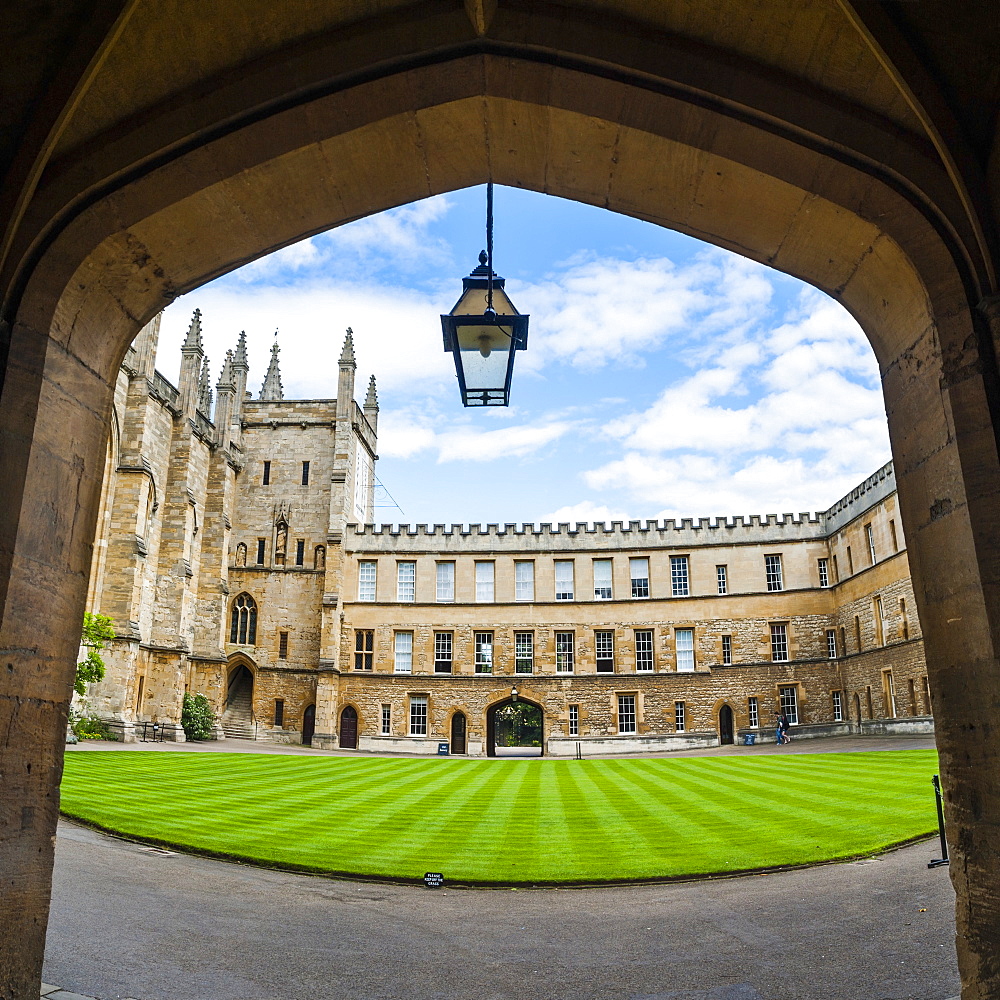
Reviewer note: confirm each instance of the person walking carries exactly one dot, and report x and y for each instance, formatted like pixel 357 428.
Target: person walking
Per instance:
pixel 778 731
pixel 783 725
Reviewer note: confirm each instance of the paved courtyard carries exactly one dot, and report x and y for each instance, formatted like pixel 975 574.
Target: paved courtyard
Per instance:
pixel 130 922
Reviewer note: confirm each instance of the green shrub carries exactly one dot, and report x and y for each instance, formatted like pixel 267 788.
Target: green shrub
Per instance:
pixel 197 718
pixel 90 727
pixel 97 632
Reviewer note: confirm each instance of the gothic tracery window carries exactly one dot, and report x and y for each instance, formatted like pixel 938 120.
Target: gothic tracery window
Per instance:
pixel 243 621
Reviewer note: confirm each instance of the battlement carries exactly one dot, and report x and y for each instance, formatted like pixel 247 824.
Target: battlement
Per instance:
pixel 600 536
pixel 643 534
pixel 863 497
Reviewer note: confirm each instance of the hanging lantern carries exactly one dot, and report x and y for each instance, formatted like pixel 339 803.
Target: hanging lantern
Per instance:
pixel 484 330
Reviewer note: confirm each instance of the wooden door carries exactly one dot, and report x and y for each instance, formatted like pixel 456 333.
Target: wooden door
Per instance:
pixel 458 733
pixel 349 729
pixel 309 725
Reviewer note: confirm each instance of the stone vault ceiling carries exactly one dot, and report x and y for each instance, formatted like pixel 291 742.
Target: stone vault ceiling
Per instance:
pixel 81 77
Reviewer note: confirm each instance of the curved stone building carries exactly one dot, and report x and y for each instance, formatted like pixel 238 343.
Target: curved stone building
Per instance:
pixel 237 558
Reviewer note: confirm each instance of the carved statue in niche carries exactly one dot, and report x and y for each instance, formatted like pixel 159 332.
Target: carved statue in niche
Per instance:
pixel 319 560
pixel 241 554
pixel 281 543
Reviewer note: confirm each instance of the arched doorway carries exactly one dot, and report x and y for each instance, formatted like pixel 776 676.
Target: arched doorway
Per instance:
pixel 238 717
pixel 308 725
pixel 726 728
pixel 857 709
pixel 349 728
pixel 515 729
pixel 458 733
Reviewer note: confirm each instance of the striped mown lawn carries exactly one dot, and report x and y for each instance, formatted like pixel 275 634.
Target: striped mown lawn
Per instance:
pixel 509 821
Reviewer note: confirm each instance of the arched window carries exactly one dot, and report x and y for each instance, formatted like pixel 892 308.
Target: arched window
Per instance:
pixel 243 621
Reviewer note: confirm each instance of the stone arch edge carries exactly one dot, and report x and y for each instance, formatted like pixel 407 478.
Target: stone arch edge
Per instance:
pixel 78 314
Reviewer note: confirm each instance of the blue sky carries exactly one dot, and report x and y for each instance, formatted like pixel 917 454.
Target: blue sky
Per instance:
pixel 663 377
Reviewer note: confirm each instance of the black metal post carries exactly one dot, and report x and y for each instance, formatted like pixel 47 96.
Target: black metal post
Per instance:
pixel 489 245
pixel 943 860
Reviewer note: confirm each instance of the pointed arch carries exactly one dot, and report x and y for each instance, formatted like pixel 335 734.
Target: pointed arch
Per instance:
pixel 243 620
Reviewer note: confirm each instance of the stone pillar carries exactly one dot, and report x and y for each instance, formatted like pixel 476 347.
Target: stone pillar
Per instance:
pixel 371 405
pixel 225 396
pixel 192 356
pixel 53 428
pixel 145 345
pixel 240 370
pixel 213 582
pixel 945 426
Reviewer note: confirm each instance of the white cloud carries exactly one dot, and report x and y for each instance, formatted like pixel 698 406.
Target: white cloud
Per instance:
pixel 402 436
pixel 586 511
pixel 808 382
pixel 703 486
pixel 407 433
pixel 397 240
pixel 396 334
pixel 779 417
pixel 483 446
pixel 602 311
pixel 399 236
pixel 301 256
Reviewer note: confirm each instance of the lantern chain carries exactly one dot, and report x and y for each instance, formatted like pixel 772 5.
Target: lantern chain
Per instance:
pixel 489 245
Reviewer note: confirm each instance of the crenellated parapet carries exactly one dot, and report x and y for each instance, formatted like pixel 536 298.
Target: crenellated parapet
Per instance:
pixel 688 532
pixel 866 495
pixel 753 529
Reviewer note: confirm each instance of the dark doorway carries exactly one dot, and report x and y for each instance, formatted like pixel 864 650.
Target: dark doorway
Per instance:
pixel 458 733
pixel 725 725
pixel 239 695
pixel 515 729
pixel 309 725
pixel 238 718
pixel 349 729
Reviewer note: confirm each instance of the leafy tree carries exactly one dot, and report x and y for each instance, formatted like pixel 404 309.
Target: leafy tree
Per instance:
pixel 196 717
pixel 98 631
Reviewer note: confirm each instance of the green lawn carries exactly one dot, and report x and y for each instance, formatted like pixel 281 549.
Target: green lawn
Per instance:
pixel 509 821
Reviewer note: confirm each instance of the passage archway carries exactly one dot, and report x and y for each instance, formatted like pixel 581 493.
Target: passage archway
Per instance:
pixel 870 205
pixel 515 729
pixel 238 717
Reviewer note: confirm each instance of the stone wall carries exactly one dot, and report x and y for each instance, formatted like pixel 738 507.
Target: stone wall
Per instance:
pixel 185 506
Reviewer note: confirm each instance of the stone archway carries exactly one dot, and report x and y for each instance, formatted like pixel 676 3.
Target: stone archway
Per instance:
pixel 727 726
pixel 834 197
pixel 515 728
pixel 238 720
